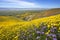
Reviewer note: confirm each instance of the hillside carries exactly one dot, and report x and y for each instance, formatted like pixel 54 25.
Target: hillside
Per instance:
pixel 28 15
pixel 22 30
pixel 52 12
pixel 9 20
pixel 31 15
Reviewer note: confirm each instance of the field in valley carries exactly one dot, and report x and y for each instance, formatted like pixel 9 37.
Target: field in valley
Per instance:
pixel 30 25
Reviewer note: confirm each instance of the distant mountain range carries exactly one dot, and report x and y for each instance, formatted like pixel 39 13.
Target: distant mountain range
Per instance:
pixel 24 8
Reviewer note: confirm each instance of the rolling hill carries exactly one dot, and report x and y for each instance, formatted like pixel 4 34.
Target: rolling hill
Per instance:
pixel 31 15
pixel 38 26
pixel 28 15
pixel 14 31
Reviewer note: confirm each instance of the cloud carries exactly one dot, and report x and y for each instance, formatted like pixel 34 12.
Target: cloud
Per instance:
pixel 19 4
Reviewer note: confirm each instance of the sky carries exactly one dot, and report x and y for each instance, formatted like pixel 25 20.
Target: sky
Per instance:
pixel 29 3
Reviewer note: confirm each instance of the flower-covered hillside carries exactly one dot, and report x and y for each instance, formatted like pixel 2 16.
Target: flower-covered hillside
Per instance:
pixel 47 28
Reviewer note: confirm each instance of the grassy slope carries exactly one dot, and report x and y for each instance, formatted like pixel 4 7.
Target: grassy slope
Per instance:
pixel 38 14
pixel 30 15
pixel 13 28
pixel 9 20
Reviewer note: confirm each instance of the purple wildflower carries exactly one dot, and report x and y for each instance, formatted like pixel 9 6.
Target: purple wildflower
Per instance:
pixel 38 32
pixel 54 39
pixel 49 35
pixel 51 30
pixel 44 27
pixel 42 32
pixel 53 35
